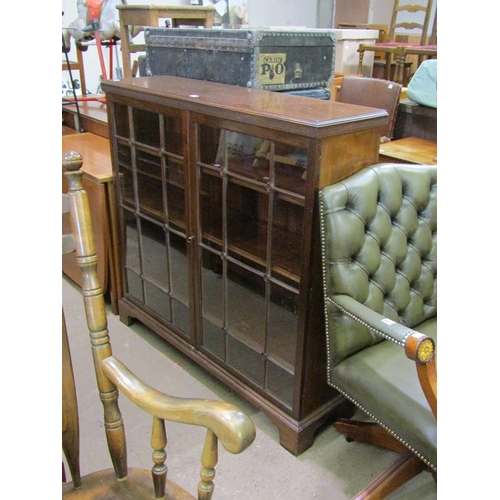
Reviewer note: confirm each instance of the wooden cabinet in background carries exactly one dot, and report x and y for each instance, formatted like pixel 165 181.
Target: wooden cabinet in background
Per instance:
pixel 217 195
pixel 97 180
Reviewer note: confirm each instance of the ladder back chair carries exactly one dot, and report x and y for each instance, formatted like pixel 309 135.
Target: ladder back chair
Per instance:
pixel 407 19
pixel 379 251
pixel 224 422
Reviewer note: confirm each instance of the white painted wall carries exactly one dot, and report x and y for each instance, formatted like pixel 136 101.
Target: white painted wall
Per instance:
pixel 282 13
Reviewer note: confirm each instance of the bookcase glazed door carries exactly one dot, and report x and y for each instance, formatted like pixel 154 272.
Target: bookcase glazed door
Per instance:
pixel 251 202
pixel 151 199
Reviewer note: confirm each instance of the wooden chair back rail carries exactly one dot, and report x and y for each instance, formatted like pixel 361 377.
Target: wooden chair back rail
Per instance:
pixel 397 52
pixel 411 24
pixel 224 422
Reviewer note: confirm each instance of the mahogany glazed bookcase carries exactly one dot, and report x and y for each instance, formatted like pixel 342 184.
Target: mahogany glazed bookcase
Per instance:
pixel 216 190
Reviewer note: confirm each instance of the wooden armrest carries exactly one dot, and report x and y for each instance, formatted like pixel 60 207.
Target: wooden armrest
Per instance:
pixel 378 324
pixel 418 347
pixel 235 430
pixel 422 350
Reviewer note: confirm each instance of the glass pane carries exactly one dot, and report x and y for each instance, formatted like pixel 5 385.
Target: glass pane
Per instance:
pixel 280 383
pixel 245 360
pixel 126 177
pixel 211 208
pixel 181 317
pixel 134 285
pixel 179 278
pixel 150 195
pixel 149 183
pixel 244 154
pixel 124 156
pixel 212 300
pixel 127 187
pixel 283 325
pixel 120 112
pixel 290 165
pixel 154 255
pixel 173 135
pixel 213 339
pixel 286 238
pixel 246 306
pixel 174 171
pixel 175 194
pixel 247 222
pixel 158 300
pixel 132 257
pixel 148 164
pixel 212 287
pixel 146 127
pixel 209 139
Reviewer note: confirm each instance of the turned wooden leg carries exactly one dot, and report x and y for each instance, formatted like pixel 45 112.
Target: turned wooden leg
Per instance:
pixel 361 52
pixel 400 58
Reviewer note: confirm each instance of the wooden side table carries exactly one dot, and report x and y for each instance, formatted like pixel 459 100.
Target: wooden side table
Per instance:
pixel 98 182
pixel 409 150
pixel 149 15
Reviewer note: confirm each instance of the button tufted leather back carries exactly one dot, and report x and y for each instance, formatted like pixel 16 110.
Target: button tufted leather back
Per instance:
pixel 379 244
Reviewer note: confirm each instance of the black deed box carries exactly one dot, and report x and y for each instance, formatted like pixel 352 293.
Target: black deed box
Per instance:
pixel 258 58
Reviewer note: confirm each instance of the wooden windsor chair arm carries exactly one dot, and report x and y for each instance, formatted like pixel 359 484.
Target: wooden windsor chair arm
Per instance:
pixel 224 423
pixel 234 430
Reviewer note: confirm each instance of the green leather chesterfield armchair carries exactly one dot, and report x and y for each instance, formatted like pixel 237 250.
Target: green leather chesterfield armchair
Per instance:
pixel 379 246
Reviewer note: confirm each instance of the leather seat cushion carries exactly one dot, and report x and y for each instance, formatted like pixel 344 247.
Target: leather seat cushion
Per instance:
pixel 383 380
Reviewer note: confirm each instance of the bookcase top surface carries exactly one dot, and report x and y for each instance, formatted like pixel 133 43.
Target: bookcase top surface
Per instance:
pixel 311 117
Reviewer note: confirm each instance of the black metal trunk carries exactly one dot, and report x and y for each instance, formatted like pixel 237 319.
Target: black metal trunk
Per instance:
pixel 258 58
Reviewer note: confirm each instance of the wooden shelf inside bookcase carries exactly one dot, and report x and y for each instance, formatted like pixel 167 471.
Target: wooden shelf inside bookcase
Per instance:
pixel 285 264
